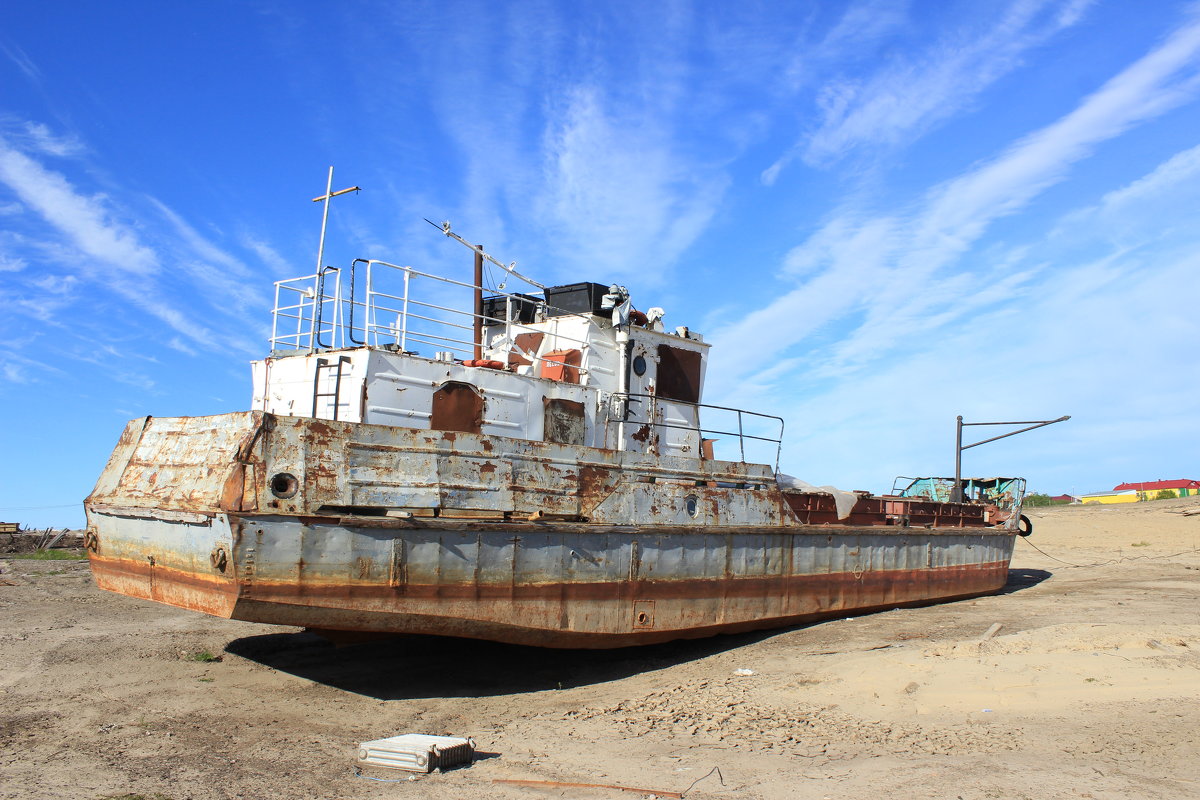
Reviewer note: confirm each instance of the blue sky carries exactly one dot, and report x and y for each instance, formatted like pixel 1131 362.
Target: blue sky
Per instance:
pixel 882 213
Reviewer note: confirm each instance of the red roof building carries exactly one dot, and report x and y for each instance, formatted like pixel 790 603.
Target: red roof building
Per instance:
pixel 1187 487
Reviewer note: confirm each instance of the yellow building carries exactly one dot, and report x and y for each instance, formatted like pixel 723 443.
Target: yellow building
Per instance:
pixel 1128 496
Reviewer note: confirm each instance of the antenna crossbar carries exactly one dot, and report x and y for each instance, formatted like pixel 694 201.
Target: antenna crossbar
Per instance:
pixel 511 269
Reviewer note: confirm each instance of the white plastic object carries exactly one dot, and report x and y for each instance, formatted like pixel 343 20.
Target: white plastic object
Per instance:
pixel 416 752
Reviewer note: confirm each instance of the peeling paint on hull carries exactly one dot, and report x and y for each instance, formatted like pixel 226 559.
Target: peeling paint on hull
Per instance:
pixel 554 589
pixel 358 527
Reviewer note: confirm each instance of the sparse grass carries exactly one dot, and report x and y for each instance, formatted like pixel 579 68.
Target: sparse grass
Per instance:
pixel 203 656
pixel 1140 544
pixel 49 555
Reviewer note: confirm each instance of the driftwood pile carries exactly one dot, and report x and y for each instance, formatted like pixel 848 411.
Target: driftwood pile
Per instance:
pixel 34 540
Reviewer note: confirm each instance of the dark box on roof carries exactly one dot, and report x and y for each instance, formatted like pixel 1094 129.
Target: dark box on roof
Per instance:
pixel 524 308
pixel 576 298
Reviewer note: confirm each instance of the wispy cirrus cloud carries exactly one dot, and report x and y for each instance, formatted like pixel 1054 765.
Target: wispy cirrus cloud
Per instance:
pixel 614 189
pixel 882 276
pixel 86 221
pixel 910 95
pixel 90 238
pixel 23 62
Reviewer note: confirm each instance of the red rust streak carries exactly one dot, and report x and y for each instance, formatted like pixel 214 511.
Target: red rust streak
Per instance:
pixel 210 594
pixel 913 585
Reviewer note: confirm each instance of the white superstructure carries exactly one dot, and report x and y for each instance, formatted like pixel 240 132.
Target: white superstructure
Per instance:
pixel 389 356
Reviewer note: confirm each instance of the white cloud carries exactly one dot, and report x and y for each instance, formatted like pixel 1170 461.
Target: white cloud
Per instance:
pixel 84 220
pixel 14 373
pixel 615 190
pixel 111 253
pixel 175 343
pixel 23 62
pixel 12 263
pixel 41 138
pixel 278 265
pixel 908 96
pixel 895 279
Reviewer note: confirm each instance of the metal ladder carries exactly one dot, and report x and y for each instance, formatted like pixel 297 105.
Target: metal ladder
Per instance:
pixel 336 367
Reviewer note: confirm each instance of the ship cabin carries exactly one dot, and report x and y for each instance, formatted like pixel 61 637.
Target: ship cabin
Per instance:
pixel 575 364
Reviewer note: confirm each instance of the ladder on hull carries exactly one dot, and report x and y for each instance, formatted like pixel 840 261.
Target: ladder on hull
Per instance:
pixel 333 370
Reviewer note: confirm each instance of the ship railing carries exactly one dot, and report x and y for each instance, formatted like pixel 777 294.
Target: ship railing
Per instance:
pixel 431 323
pixel 748 427
pixel 321 311
pixel 299 320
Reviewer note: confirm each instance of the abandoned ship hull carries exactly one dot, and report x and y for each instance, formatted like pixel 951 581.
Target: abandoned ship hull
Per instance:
pixel 357 527
pixel 539 583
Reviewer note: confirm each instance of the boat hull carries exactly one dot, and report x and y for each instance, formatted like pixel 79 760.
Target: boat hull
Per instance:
pixel 545 584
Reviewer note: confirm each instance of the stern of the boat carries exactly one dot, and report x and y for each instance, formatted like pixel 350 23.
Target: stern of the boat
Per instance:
pixel 159 525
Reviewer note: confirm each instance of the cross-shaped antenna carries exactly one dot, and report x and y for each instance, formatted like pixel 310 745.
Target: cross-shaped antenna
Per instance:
pixel 325 217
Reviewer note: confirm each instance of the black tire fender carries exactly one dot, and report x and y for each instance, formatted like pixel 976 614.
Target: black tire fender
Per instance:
pixel 1024 526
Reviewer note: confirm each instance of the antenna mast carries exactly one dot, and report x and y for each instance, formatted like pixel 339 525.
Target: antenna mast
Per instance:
pixel 325 216
pixel 511 269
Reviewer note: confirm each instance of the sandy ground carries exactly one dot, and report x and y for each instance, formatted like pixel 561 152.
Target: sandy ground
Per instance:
pixel 1091 689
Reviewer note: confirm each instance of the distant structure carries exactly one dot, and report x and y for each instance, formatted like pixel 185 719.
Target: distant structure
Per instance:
pixel 1065 499
pixel 1110 497
pixel 1181 487
pixel 1146 490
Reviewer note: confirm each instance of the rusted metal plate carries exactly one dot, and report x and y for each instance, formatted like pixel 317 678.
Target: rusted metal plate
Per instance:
pixel 177 562
pixel 679 372
pixel 178 464
pixel 348 526
pixel 457 407
pixel 564 421
pixel 565 589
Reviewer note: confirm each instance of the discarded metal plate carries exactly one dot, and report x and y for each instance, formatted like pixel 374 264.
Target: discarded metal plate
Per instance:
pixel 416 752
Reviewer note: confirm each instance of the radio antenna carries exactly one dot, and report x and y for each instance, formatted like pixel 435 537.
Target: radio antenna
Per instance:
pixel 511 268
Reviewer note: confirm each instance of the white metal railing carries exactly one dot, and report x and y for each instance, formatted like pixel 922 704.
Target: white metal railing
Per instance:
pixel 321 311
pixel 748 428
pixel 302 301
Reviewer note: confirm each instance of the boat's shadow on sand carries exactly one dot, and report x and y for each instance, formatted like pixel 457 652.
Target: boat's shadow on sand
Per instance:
pixel 433 666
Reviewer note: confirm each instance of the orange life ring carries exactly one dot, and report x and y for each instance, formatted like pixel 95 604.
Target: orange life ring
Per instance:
pixel 483 362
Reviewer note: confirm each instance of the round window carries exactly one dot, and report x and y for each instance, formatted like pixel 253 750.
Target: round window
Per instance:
pixel 639 365
pixel 691 503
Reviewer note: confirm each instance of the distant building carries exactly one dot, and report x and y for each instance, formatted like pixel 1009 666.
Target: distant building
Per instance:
pixel 1064 498
pixel 1181 487
pixel 1110 497
pixel 1146 490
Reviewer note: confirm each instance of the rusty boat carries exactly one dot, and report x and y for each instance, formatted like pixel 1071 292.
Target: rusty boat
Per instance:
pixel 537 470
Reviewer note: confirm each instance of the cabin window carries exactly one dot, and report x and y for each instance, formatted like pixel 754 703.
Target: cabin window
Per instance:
pixel 564 421
pixel 678 374
pixel 639 366
pixel 457 407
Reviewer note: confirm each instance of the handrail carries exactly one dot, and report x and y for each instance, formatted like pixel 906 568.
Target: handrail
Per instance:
pixel 623 398
pixel 320 327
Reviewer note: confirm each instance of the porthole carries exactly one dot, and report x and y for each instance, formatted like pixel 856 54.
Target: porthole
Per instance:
pixel 691 503
pixel 284 485
pixel 639 366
